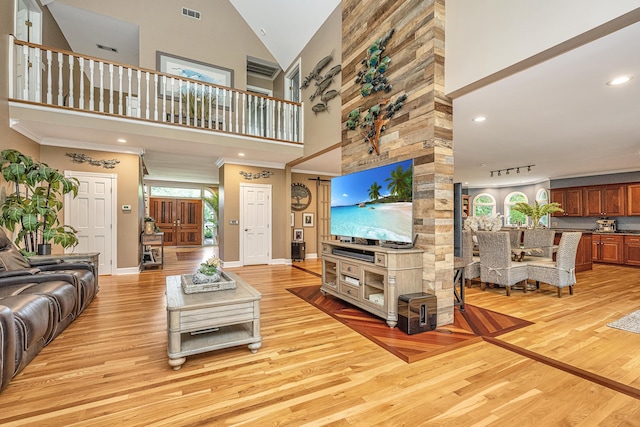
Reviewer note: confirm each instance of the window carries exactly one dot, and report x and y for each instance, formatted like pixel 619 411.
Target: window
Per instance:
pixel 512 217
pixel 183 193
pixel 484 204
pixel 542 197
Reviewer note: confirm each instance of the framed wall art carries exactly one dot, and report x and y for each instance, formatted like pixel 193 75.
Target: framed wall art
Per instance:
pixel 307 220
pixel 192 69
pixel 298 234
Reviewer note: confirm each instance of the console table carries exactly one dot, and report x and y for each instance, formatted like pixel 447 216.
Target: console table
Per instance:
pixel 371 277
pixel 206 321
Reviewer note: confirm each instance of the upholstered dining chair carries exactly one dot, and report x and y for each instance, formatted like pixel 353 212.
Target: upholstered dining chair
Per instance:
pixel 495 261
pixel 515 235
pixel 471 263
pixel 561 272
pixel 539 238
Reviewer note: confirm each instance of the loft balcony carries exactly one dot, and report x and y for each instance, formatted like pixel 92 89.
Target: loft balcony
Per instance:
pixel 58 97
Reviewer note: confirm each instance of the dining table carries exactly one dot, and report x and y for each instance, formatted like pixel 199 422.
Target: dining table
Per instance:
pixel 519 252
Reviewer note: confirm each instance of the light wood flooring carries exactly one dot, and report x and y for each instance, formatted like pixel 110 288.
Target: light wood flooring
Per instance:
pixel 109 367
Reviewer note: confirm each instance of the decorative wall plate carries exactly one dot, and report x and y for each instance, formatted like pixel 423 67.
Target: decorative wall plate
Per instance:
pixel 300 197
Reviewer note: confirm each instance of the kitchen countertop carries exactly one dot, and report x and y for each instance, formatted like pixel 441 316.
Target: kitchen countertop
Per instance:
pixel 620 232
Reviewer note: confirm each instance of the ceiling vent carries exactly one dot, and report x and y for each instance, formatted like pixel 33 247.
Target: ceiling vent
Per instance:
pixel 261 68
pixel 190 13
pixel 107 48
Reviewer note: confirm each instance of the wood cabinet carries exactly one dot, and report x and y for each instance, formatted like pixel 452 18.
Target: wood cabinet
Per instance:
pixel 584 257
pixel 604 200
pixel 633 199
pixel 608 248
pixel 632 250
pixel 570 200
pixel 371 277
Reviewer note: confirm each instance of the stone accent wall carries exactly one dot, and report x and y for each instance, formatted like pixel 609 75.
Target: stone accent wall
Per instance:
pixel 421 130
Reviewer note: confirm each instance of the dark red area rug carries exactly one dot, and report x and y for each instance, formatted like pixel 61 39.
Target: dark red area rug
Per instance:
pixel 468 327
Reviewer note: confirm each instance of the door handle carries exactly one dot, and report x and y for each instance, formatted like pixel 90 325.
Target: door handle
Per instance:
pixel 246 229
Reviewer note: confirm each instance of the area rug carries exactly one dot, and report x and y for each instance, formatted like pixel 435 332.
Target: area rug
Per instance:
pixel 469 326
pixel 630 322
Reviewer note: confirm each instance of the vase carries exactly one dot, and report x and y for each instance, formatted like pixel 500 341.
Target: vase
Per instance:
pixel 206 278
pixel 44 249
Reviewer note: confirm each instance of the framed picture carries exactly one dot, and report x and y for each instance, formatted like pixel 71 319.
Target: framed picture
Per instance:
pixel 298 234
pixel 293 219
pixel 195 70
pixel 307 220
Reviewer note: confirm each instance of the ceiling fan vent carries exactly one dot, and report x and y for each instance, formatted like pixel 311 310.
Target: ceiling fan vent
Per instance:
pixel 190 13
pixel 262 68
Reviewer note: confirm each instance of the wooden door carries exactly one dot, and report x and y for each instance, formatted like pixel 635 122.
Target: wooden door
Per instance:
pixel 179 219
pixel 189 222
pixel 164 212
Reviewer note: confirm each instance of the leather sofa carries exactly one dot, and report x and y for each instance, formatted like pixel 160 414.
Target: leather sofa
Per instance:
pixel 37 303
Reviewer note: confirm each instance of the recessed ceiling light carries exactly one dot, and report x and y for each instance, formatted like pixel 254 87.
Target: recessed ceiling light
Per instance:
pixel 479 119
pixel 241 154
pixel 619 81
pixel 122 140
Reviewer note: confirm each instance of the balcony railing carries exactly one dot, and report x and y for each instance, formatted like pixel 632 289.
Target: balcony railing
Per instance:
pixel 65 79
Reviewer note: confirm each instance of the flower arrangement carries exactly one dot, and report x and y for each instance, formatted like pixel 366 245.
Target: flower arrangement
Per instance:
pixel 483 222
pixel 210 267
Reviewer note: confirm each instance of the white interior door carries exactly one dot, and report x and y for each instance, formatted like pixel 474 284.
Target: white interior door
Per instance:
pixel 28 27
pixel 255 240
pixel 92 213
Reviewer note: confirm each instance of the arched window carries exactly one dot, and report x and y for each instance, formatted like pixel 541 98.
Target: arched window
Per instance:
pixel 484 204
pixel 542 197
pixel 512 217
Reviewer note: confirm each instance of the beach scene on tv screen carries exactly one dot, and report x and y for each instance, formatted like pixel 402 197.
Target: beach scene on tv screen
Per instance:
pixel 374 204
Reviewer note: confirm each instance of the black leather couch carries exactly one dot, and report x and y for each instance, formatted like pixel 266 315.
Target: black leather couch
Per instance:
pixel 37 302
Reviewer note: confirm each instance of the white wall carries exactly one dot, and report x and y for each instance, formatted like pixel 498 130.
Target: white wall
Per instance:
pixel 484 37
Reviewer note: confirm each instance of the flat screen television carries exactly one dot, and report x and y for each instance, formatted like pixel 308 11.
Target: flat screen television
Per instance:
pixel 374 204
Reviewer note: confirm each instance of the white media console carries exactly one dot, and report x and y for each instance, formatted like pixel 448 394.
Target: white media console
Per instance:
pixel 371 277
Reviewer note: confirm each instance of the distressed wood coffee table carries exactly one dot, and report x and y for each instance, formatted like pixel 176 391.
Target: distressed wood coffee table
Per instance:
pixel 206 321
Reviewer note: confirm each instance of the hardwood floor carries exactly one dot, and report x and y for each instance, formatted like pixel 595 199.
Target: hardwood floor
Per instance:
pixel 109 367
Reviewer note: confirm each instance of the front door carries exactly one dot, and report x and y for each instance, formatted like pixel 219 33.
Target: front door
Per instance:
pixel 255 240
pixel 179 219
pixel 92 213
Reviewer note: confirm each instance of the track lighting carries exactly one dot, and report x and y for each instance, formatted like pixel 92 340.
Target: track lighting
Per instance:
pixel 508 170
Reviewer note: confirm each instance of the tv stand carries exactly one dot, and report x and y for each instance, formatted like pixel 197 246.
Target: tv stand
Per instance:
pixel 372 284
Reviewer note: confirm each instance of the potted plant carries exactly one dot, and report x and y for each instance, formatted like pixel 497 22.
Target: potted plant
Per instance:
pixel 536 211
pixel 213 202
pixel 33 208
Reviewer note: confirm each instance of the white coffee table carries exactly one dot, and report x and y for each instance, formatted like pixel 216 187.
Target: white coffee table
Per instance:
pixel 206 321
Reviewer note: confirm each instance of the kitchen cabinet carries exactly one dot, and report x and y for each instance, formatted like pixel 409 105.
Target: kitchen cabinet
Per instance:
pixel 604 200
pixel 633 199
pixel 570 200
pixel 608 248
pixel 632 250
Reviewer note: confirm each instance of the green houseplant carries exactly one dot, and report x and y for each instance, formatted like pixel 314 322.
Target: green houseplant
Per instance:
pixel 33 207
pixel 537 210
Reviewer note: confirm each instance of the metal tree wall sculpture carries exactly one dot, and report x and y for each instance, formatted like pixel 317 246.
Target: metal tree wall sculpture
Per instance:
pixel 373 80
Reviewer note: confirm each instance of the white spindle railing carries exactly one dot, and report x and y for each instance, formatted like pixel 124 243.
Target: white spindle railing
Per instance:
pixel 95 85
